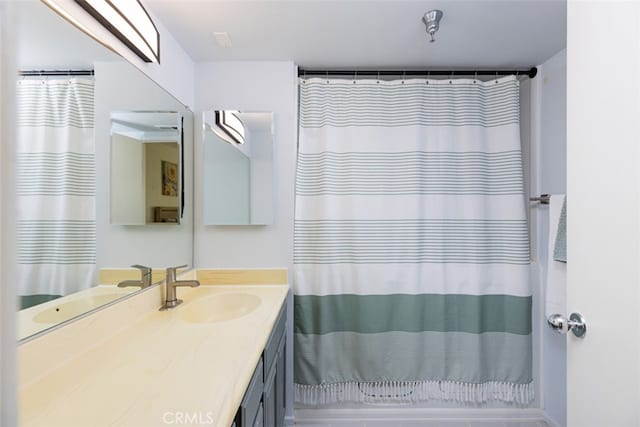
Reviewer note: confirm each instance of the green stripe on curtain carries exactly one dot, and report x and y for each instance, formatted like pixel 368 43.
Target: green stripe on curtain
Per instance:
pixel 56 242
pixel 340 103
pixel 411 241
pixel 26 301
pixel 55 103
pixel 410 173
pixel 425 356
pixel 56 174
pixel 474 314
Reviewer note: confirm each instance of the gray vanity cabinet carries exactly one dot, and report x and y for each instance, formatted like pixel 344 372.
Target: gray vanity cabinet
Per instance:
pixel 264 401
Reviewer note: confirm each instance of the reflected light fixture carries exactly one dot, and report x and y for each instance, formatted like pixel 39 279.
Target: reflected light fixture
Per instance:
pixel 130 23
pixel 230 125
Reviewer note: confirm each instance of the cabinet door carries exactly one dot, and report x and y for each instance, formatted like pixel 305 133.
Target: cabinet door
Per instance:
pixel 280 382
pixel 259 421
pixel 252 399
pixel 269 398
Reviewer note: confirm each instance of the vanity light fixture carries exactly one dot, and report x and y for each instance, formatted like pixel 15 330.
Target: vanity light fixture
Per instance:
pixel 130 23
pixel 231 126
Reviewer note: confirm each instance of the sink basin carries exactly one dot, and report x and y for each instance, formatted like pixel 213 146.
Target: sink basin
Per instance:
pixel 67 310
pixel 220 307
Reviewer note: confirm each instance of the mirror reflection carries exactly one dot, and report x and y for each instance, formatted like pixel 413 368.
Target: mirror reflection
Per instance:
pixel 70 257
pixel 146 163
pixel 238 167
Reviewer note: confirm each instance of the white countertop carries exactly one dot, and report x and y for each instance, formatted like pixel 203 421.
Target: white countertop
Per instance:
pixel 159 370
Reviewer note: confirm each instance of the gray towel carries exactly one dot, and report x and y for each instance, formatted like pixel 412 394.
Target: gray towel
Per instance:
pixel 560 249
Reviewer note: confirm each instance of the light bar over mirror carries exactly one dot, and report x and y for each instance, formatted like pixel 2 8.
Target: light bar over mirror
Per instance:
pixel 129 22
pixel 229 127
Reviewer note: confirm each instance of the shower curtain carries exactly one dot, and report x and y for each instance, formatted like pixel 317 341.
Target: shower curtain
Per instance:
pixel 411 252
pixel 56 213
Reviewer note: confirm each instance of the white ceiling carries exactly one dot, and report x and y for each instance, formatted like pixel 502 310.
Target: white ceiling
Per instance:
pixel 367 33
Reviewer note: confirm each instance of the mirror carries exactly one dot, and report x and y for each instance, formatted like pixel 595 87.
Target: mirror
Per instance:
pixel 238 167
pixel 70 255
pixel 146 164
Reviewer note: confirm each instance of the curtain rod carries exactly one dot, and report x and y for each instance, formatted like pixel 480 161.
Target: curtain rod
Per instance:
pixel 422 73
pixel 30 73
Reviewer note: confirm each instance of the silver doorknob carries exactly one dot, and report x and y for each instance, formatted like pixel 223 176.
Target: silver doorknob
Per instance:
pixel 576 324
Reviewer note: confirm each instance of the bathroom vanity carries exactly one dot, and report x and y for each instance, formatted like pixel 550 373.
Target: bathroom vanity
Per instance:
pixel 217 359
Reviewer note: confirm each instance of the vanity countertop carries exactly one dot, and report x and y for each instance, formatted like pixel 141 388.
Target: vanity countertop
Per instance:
pixel 160 370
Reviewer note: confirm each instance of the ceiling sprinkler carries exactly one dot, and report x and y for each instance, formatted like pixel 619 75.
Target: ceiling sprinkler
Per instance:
pixel 432 21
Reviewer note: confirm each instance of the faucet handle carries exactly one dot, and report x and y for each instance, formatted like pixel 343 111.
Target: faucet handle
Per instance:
pixel 144 270
pixel 171 272
pixel 179 266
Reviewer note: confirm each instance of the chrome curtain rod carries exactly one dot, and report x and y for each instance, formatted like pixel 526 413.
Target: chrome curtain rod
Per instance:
pixel 303 72
pixel 43 73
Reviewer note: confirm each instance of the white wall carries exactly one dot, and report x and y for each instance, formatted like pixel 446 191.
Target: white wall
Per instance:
pixel 8 402
pixel 252 86
pixel 549 172
pixel 121 87
pixel 261 177
pixel 127 180
pixel 226 182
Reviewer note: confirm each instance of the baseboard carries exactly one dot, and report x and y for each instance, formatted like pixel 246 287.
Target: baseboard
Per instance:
pixel 420 414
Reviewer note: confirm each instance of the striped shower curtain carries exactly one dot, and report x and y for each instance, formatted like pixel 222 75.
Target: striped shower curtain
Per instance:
pixel 56 213
pixel 411 254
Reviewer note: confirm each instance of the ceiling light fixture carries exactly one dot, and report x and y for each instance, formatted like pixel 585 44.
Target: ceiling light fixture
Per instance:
pixel 432 20
pixel 130 23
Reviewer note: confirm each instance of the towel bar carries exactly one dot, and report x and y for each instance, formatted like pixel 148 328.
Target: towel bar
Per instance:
pixel 543 199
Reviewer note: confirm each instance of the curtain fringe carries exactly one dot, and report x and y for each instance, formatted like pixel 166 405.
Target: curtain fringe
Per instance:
pixel 414 391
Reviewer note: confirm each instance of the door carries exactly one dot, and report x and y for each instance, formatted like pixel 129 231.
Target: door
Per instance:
pixel 603 217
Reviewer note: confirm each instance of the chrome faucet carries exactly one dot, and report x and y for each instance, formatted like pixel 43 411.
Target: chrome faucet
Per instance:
pixel 145 280
pixel 172 301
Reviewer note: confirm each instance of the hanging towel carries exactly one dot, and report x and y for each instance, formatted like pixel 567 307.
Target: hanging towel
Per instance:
pixel 560 250
pixel 556 287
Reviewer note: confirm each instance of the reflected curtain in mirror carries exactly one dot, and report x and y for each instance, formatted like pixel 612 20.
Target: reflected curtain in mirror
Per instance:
pixel 56 213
